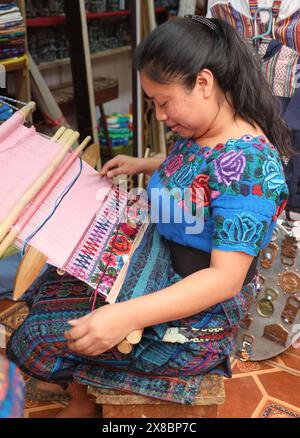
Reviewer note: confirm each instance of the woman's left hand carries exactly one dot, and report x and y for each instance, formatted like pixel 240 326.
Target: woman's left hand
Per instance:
pixel 100 330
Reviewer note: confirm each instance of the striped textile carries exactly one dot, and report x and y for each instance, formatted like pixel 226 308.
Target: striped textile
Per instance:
pixel 11 390
pixel 169 371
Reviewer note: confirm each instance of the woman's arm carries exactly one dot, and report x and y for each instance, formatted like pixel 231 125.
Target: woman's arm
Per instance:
pixel 152 164
pixel 126 165
pixel 193 294
pixel 107 326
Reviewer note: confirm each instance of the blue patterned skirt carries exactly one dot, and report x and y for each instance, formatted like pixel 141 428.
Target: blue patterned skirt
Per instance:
pixel 155 368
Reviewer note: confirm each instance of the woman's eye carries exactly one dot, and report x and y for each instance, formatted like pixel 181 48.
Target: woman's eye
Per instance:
pixel 162 104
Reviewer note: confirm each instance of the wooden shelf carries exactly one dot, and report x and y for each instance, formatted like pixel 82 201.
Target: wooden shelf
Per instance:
pixel 66 61
pixel 14 65
pixel 110 52
pixel 61 19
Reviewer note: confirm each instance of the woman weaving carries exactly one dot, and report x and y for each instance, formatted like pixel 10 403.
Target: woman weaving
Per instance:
pixel 208 88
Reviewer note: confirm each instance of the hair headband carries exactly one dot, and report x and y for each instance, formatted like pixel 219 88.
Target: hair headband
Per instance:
pixel 205 21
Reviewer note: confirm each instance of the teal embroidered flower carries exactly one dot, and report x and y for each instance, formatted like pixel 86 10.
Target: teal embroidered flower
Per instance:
pixel 185 175
pixel 273 175
pixel 241 229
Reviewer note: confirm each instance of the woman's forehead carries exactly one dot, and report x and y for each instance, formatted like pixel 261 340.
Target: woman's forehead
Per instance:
pixel 155 89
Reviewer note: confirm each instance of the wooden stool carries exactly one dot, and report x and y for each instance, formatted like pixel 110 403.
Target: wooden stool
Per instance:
pixel 117 404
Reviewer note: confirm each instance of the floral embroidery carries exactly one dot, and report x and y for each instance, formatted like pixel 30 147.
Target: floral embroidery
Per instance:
pixel 208 153
pixel 248 138
pixel 122 245
pixel 229 166
pixel 258 146
pixel 200 197
pixel 173 165
pixel 257 190
pixel 262 139
pixel 242 229
pixel 109 258
pixel 184 176
pixel 229 174
pixel 273 176
pixel 279 209
pixel 245 189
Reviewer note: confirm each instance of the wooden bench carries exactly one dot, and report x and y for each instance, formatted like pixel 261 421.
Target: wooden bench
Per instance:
pixel 117 404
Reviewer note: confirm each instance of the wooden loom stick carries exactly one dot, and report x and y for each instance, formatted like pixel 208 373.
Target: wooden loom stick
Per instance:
pixel 65 136
pixel 33 260
pixel 125 347
pixel 40 198
pixel 58 134
pixel 28 271
pixel 135 337
pixel 28 109
pixel 36 187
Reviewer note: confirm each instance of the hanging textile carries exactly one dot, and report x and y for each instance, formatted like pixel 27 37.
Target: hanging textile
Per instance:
pixel 87 234
pixel 287 8
pixel 241 15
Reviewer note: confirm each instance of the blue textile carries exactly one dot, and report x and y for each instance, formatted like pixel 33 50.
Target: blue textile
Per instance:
pixel 244 192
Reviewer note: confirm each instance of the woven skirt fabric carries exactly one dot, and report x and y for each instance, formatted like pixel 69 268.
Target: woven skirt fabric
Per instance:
pixel 168 371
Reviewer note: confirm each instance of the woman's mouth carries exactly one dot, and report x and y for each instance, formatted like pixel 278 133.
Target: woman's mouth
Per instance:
pixel 174 128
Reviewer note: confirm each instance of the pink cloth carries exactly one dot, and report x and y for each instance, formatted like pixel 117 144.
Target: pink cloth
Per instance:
pixel 24 155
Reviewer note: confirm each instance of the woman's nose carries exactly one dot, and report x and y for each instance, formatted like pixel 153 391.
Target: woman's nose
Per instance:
pixel 160 114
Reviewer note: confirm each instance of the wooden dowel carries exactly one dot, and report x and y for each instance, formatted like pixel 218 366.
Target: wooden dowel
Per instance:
pixel 36 187
pixel 58 133
pixel 27 110
pixel 40 198
pixel 135 337
pixel 66 136
pixel 125 347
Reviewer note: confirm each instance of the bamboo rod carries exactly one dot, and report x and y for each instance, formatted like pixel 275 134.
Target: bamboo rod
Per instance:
pixel 66 136
pixel 125 347
pixel 58 134
pixel 135 337
pixel 40 198
pixel 28 109
pixel 36 187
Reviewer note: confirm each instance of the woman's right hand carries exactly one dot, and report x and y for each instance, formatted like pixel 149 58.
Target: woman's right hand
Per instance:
pixel 123 164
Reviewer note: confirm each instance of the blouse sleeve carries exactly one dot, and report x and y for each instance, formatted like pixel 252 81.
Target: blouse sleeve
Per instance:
pixel 248 194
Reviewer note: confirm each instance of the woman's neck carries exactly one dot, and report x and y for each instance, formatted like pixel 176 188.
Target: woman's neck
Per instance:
pixel 225 126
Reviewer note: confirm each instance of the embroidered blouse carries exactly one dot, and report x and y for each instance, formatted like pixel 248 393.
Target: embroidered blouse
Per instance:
pixel 243 193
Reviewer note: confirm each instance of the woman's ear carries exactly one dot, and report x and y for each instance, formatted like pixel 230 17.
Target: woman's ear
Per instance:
pixel 205 80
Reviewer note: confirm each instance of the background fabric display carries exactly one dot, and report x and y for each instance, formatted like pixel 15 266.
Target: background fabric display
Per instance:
pixel 12 30
pixel 288 7
pixel 281 65
pixel 242 16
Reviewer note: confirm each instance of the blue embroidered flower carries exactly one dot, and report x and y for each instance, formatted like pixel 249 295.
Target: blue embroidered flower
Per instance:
pixel 241 229
pixel 273 175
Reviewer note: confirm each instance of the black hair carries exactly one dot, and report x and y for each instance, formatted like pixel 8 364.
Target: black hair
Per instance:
pixel 180 48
